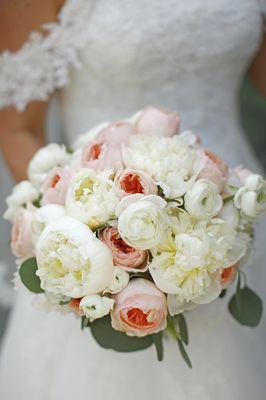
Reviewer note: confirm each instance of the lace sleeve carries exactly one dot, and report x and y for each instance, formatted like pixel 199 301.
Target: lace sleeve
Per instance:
pixel 42 64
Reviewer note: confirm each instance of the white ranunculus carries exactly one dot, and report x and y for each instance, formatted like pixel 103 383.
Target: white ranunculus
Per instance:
pixel 96 306
pixel 91 197
pixel 87 137
pixel 142 220
pixel 198 250
pixel 119 281
pixel 23 193
pixel 251 198
pixel 230 214
pixel 177 306
pixel 171 162
pixel 202 200
pixel 48 157
pixel 71 260
pixel 42 217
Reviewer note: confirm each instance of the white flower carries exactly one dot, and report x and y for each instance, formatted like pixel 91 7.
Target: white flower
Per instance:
pixel 142 220
pixel 42 217
pixel 202 200
pixel 230 214
pixel 171 162
pixel 119 281
pixel 87 137
pixel 95 306
pixel 197 251
pixel 251 198
pixel 71 260
pixel 23 193
pixel 91 197
pixel 48 157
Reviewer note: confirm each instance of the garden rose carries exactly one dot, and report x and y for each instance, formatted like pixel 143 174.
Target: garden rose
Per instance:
pixel 158 122
pixel 140 309
pixel 21 243
pixel 142 220
pixel 96 306
pixel 105 150
pixel 55 186
pixel 214 169
pixel 48 157
pixel 130 181
pixel 228 275
pixel 71 260
pixel 202 200
pixel 124 256
pixel 91 197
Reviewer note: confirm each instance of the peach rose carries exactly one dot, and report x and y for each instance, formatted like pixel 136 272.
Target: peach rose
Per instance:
pixel 158 122
pixel 21 243
pixel 105 150
pixel 228 275
pixel 125 256
pixel 55 186
pixel 74 306
pixel 140 309
pixel 130 181
pixel 214 169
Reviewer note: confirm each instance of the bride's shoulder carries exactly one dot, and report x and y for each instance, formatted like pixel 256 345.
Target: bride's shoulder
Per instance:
pixel 38 42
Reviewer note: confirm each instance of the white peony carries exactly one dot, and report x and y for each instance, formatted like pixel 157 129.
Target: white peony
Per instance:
pixel 142 220
pixel 23 193
pixel 96 306
pixel 48 157
pixel 172 163
pixel 91 197
pixel 71 260
pixel 251 198
pixel 42 217
pixel 119 281
pixel 196 252
pixel 202 200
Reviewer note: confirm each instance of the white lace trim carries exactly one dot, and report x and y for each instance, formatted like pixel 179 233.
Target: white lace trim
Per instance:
pixel 42 64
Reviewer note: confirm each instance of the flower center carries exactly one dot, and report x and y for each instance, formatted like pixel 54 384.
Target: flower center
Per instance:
pixel 121 245
pixel 131 184
pixel 137 317
pixel 55 180
pixel 95 151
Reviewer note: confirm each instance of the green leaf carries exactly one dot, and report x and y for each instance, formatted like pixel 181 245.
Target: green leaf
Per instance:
pixel 184 353
pixel 28 275
pixel 246 307
pixel 183 330
pixel 85 322
pixel 158 342
pixel 223 293
pixel 109 338
pixel 65 302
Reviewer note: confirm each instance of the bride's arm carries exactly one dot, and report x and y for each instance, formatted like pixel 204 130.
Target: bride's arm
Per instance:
pixel 258 69
pixel 21 134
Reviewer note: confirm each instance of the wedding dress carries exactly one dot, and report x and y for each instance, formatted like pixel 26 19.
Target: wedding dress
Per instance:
pixel 111 58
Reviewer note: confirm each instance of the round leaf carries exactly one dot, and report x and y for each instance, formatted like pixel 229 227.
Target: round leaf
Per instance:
pixel 28 275
pixel 109 338
pixel 246 307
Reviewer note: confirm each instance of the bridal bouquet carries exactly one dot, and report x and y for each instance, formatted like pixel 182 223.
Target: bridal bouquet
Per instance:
pixel 134 226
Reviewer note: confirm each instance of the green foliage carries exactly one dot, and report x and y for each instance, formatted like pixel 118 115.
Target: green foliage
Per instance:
pixel 180 335
pixel 109 338
pixel 158 342
pixel 28 275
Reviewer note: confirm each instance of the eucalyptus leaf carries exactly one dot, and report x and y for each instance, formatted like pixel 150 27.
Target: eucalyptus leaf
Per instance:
pixel 27 273
pixel 158 342
pixel 184 353
pixel 183 330
pixel 246 307
pixel 109 338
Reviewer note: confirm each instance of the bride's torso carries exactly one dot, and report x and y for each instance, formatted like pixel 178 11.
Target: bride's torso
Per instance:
pixel 186 56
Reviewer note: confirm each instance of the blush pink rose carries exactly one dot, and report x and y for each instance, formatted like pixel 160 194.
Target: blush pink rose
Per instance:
pixel 55 186
pixel 105 151
pixel 214 169
pixel 140 309
pixel 21 243
pixel 228 275
pixel 158 122
pixel 130 181
pixel 124 256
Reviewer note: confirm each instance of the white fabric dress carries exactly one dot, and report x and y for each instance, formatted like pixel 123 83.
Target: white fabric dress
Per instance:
pixel 112 58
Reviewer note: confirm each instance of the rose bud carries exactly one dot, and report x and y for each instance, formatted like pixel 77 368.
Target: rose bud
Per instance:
pixel 158 122
pixel 140 309
pixel 125 256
